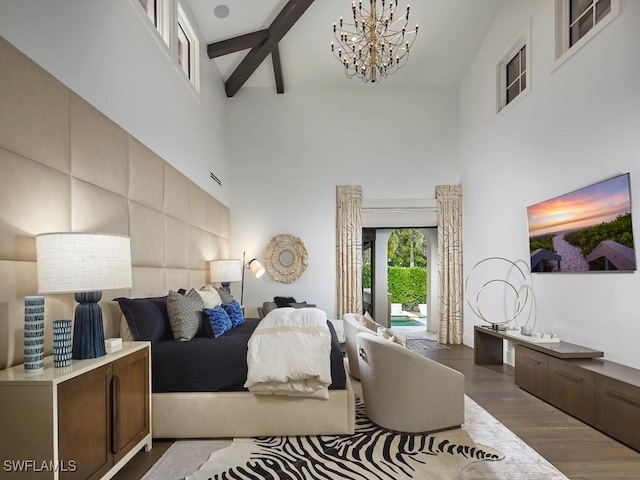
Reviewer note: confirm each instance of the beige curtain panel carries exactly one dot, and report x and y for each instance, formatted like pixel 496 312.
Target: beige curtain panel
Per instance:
pixel 450 295
pixel 349 248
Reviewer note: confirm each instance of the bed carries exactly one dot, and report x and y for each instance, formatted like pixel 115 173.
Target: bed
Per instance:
pixel 197 386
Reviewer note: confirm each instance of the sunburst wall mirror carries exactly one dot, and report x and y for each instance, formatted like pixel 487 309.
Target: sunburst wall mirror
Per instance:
pixel 285 258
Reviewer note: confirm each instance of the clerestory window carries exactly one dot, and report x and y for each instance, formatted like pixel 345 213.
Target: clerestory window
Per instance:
pixel 513 71
pixel 516 75
pixel 578 21
pixel 584 15
pixel 187 47
pixel 181 43
pixel 155 10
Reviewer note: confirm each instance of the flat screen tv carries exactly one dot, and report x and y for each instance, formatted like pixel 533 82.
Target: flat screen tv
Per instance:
pixel 584 231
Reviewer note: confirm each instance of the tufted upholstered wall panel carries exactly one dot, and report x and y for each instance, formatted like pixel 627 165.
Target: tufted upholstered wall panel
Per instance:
pixel 64 166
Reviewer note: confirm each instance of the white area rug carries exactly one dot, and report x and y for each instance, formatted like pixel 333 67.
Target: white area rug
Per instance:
pixel 183 458
pixel 521 462
pixel 187 457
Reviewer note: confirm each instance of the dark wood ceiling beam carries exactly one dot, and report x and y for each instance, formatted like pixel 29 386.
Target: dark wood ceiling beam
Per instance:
pixel 277 69
pixel 236 44
pixel 289 15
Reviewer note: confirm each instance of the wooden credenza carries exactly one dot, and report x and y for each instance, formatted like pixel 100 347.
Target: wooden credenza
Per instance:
pixel 84 421
pixel 603 394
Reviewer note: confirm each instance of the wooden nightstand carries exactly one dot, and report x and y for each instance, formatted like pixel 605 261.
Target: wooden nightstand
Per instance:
pixel 84 421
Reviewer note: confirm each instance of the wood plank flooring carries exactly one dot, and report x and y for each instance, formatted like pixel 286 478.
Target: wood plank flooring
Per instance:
pixel 577 450
pixel 574 448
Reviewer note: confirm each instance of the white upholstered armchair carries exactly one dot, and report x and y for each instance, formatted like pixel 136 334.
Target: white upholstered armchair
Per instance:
pixel 406 392
pixel 353 324
pixel 352 327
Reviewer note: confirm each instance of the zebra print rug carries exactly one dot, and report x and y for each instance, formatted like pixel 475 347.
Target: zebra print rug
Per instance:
pixel 370 453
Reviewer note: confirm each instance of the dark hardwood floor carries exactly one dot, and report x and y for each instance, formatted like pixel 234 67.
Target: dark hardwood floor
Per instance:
pixel 574 448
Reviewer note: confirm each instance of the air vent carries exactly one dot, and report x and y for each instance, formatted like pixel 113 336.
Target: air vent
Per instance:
pixel 216 179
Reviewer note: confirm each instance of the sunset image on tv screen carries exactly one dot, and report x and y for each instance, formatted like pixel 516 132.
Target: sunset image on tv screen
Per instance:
pixel 586 230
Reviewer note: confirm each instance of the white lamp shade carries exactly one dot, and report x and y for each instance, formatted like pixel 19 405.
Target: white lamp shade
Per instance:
pixel 225 270
pixel 82 262
pixel 256 268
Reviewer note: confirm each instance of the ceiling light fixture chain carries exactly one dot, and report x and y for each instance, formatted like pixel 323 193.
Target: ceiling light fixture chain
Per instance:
pixel 376 44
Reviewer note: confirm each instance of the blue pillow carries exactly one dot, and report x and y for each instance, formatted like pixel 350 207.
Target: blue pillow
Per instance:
pixel 218 320
pixel 234 310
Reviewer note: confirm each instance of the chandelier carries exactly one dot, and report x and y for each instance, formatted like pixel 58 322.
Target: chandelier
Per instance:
pixel 376 44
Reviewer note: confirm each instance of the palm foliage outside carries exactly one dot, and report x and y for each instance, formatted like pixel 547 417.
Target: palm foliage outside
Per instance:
pixel 406 272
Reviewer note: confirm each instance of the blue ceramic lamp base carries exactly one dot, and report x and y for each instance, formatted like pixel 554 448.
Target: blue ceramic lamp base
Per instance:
pixel 88 331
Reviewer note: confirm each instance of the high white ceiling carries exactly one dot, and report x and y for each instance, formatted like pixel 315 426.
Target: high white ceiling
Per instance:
pixel 450 34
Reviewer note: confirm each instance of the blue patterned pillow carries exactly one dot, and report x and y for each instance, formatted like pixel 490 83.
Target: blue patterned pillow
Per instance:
pixel 234 310
pixel 218 320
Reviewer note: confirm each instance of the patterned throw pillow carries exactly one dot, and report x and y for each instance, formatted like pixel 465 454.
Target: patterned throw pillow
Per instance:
pixel 185 314
pixel 218 320
pixel 234 310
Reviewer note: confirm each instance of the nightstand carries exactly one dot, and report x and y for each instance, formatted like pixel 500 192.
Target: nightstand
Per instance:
pixel 84 421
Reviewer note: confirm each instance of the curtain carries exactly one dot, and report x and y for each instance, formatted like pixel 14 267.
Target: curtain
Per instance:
pixel 349 248
pixel 450 295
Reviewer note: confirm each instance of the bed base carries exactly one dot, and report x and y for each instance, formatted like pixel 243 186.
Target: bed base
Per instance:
pixel 243 414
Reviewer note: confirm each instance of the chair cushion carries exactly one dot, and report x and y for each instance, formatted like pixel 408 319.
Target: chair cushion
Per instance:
pixel 267 307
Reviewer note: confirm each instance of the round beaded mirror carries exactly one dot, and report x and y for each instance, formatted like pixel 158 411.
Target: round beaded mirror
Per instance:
pixel 285 258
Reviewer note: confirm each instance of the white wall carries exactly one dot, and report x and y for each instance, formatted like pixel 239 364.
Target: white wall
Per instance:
pixel 580 124
pixel 108 53
pixel 290 151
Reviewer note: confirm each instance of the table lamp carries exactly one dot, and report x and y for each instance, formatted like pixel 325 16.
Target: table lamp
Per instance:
pixel 84 264
pixel 225 272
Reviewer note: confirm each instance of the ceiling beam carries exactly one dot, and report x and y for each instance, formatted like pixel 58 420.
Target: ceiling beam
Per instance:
pixel 289 15
pixel 277 69
pixel 236 44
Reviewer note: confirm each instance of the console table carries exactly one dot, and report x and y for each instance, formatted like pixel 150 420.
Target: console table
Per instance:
pixel 603 394
pixel 488 347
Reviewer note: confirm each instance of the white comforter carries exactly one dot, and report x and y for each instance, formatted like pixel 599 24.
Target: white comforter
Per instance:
pixel 289 354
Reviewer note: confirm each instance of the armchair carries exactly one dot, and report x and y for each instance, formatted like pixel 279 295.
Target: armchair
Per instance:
pixel 354 323
pixel 406 392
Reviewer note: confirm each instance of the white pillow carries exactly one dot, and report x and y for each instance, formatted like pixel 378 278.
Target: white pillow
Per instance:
pixel 368 322
pixel 210 297
pixel 384 333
